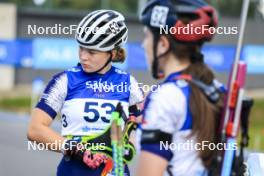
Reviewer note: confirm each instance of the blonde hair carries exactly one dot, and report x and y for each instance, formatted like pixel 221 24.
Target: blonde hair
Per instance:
pixel 119 56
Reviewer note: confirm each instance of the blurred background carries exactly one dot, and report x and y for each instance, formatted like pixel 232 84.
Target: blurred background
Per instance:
pixel 29 57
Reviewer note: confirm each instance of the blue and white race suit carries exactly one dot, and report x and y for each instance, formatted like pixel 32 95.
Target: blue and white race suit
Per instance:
pixel 85 103
pixel 167 111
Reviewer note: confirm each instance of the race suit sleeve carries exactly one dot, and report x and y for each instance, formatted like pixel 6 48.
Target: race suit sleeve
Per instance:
pixel 164 113
pixel 136 93
pixel 53 97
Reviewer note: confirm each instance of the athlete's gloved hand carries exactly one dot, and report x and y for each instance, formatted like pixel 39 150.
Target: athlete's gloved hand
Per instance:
pixel 72 148
pixel 94 160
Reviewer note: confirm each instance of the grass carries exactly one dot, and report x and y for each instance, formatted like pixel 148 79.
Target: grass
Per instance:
pixel 256 122
pixel 19 104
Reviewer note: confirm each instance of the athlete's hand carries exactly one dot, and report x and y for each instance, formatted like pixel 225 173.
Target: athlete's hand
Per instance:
pixel 94 160
pixel 72 148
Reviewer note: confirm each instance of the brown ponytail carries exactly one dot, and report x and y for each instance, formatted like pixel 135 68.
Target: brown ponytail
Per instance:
pixel 205 115
pixel 119 55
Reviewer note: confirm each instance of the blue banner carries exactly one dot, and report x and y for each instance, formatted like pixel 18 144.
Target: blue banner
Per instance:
pixel 219 57
pixel 254 57
pixel 24 52
pixel 54 53
pixel 8 52
pixel 136 57
pixel 16 52
pixel 51 53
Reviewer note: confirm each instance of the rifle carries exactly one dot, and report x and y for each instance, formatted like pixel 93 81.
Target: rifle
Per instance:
pixel 233 103
pixel 238 167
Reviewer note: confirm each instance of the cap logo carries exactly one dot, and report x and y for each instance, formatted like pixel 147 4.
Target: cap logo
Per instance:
pixel 114 28
pixel 159 16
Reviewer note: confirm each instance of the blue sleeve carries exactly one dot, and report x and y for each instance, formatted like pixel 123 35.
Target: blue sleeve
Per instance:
pixel 54 95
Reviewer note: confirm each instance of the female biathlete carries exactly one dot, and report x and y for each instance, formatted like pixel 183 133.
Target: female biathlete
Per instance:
pixel 182 114
pixel 85 96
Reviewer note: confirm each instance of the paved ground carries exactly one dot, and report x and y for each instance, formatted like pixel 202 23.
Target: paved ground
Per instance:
pixel 15 159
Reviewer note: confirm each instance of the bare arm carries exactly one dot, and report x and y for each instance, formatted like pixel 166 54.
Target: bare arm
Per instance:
pixel 151 164
pixel 39 130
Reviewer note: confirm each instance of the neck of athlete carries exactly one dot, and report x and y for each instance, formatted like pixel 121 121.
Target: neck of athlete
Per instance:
pixel 173 64
pixel 106 69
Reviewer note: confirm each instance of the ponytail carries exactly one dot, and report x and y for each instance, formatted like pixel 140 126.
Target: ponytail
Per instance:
pixel 119 56
pixel 205 115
